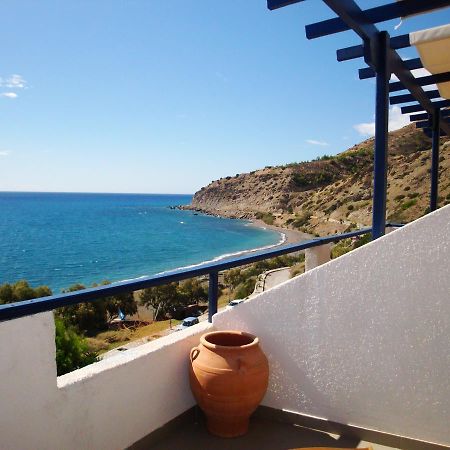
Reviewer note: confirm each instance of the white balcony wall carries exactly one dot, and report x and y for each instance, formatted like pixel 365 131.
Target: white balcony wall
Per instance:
pixel 108 405
pixel 365 338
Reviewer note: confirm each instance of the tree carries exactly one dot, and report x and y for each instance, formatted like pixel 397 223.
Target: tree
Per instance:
pixel 20 291
pixel 125 302
pixel 89 317
pixel 193 291
pixel 245 288
pixel 232 278
pixel 72 351
pixel 163 299
pixel 95 315
pixel 6 294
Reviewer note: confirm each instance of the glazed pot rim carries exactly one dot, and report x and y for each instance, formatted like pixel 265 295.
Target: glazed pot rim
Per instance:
pixel 210 345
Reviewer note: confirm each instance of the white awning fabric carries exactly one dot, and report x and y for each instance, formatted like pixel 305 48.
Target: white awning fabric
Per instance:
pixel 433 46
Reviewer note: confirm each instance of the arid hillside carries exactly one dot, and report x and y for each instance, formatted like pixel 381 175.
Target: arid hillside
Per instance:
pixel 333 193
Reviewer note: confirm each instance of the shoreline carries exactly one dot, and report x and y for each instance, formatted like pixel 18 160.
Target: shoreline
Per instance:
pixel 287 236
pixel 291 236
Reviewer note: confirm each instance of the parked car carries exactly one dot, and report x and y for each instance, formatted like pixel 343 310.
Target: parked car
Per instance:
pixel 188 322
pixel 234 303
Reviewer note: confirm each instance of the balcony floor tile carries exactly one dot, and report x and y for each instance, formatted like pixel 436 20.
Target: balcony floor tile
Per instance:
pixel 263 434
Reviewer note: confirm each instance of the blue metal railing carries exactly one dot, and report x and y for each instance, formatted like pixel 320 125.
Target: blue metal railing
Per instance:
pixel 29 307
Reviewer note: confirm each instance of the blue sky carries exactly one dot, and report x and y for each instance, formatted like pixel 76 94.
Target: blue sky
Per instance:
pixel 166 95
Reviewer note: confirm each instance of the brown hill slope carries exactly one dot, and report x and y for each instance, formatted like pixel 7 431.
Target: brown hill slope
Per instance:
pixel 332 194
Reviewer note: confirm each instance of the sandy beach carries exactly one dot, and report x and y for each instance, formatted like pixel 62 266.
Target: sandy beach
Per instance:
pixel 292 236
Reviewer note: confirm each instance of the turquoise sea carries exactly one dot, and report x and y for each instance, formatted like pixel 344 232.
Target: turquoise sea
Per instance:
pixel 59 239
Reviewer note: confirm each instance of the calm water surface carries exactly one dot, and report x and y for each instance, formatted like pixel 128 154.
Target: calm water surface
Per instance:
pixel 60 239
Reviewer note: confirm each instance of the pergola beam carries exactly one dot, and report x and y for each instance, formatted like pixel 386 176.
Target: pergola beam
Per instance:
pixel 357 51
pixel 426 116
pixel 410 64
pixel 351 16
pixel 383 60
pixel 428 132
pixel 422 81
pixel 423 124
pixel 275 4
pixel 408 80
pixel 350 13
pixel 428 123
pixel 372 15
pixel 408 98
pixel 419 107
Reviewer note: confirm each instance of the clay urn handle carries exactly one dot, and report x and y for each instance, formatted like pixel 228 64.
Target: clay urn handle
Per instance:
pixel 195 351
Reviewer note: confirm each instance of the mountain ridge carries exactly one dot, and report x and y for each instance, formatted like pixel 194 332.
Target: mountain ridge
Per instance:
pixel 332 193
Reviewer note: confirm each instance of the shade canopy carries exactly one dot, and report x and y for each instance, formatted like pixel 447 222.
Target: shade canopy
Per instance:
pixel 429 94
pixel 433 46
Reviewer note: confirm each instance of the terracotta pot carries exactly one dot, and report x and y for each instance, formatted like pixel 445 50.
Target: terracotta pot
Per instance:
pixel 229 375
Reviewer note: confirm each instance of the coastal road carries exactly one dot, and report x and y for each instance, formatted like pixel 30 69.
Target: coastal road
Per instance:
pixel 276 277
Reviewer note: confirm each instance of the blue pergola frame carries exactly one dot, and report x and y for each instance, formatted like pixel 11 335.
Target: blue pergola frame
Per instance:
pixel 379 52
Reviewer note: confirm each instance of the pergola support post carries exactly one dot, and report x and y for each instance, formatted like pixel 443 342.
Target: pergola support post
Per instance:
pixel 435 159
pixel 381 62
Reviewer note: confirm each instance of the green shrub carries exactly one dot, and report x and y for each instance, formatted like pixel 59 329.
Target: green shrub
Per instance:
pixel 413 195
pixel 245 288
pixel 346 245
pixel 72 351
pixel 297 269
pixel 351 227
pixel 267 218
pixel 300 180
pixel 324 177
pixel 351 207
pixel 91 317
pixel 409 203
pixel 323 158
pixel 20 291
pixel 341 248
pixel 363 240
pixel 397 198
pixel 302 220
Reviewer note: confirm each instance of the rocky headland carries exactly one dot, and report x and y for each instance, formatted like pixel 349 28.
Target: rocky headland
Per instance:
pixel 332 193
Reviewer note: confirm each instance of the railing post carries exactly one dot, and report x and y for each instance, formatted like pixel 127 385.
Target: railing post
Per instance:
pixel 213 291
pixel 381 63
pixel 435 159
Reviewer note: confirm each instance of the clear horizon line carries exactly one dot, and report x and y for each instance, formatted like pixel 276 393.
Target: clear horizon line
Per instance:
pixel 91 192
